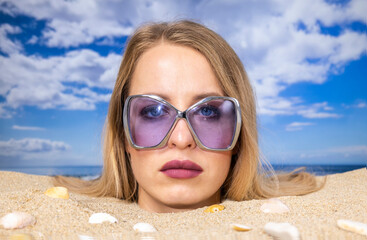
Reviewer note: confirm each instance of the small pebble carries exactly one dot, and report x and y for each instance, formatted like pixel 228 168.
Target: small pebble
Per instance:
pixel 214 208
pixel 102 217
pixel 353 226
pixel 282 231
pixel 144 227
pixel 17 220
pixel 58 192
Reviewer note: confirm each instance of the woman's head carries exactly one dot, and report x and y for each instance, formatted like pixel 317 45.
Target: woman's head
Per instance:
pixel 181 62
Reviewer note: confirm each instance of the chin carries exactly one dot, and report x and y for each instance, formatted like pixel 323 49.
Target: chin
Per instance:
pixel 180 200
pixel 185 200
pixel 184 205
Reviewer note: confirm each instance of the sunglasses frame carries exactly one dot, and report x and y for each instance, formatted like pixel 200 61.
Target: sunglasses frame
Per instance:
pixel 182 115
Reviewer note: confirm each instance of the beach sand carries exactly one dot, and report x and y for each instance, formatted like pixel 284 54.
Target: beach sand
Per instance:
pixel 315 215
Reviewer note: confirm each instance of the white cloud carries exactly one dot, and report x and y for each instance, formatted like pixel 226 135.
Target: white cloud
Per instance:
pixel 296 126
pixel 92 95
pixel 293 106
pixel 49 82
pixel 27 146
pixel 267 36
pixel 27 128
pixel 4 112
pixel 359 104
pixel 328 13
pixel 71 23
pixel 43 152
pixel 347 150
pixel 341 152
pixel 317 110
pixel 353 154
pixel 6 45
pixel 32 40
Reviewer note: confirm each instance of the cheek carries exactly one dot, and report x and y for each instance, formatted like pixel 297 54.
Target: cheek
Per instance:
pixel 218 166
pixel 143 163
pixel 137 165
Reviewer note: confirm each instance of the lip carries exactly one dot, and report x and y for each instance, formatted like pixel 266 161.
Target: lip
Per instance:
pixel 181 169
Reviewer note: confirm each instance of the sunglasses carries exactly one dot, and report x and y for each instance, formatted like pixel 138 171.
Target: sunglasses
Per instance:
pixel 214 122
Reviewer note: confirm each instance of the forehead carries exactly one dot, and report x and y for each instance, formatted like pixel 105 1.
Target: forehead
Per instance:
pixel 176 73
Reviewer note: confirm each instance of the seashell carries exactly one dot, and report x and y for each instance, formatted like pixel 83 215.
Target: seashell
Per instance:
pixel 144 227
pixel 102 217
pixel 147 238
pixel 85 237
pixel 21 236
pixel 353 226
pixel 17 220
pixel 240 227
pixel 214 208
pixel 58 192
pixel 274 205
pixel 282 231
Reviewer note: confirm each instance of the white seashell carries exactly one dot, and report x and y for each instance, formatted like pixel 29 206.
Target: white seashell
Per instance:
pixel 282 231
pixel 101 217
pixel 144 227
pixel 274 205
pixel 240 227
pixel 353 226
pixel 17 220
pixel 147 238
pixel 85 237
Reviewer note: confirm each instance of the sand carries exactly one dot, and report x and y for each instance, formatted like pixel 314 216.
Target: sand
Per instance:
pixel 315 215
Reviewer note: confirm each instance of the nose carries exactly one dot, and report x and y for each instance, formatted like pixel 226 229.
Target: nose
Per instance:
pixel 181 136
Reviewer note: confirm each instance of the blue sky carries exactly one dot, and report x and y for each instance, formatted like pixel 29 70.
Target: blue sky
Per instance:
pixel 307 62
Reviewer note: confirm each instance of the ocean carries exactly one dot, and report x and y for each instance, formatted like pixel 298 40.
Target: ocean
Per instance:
pixel 84 172
pixel 319 170
pixel 92 172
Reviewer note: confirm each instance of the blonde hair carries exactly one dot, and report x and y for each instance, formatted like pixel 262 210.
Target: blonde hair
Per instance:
pixel 247 178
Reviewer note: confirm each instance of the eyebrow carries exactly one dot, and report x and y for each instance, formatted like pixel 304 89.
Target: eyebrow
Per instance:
pixel 204 95
pixel 195 98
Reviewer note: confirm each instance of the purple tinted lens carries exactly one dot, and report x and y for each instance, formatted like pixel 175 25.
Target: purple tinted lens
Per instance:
pixel 214 123
pixel 149 121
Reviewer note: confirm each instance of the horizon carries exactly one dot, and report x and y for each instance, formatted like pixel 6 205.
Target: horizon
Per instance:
pixel 93 172
pixel 306 62
pixel 273 164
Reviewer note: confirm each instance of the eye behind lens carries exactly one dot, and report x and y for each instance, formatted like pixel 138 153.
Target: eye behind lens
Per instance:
pixel 156 111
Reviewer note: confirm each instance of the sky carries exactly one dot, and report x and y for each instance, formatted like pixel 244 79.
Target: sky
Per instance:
pixel 307 61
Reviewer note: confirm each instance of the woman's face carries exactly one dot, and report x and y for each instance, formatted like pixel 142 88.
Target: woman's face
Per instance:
pixel 181 76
